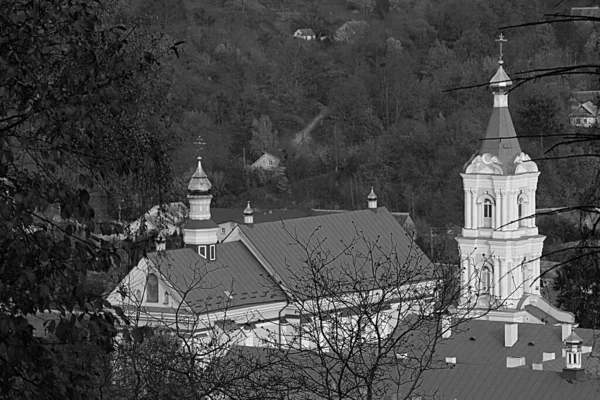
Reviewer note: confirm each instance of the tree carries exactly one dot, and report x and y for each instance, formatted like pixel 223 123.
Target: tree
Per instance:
pixel 77 84
pixel 264 137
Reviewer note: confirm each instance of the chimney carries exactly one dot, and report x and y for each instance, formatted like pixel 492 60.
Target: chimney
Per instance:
pixel 450 360
pixel 547 356
pixel 566 331
pixel 248 215
pixel 372 200
pixel 513 362
pixel 511 334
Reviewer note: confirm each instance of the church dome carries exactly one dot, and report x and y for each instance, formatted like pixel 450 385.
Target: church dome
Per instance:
pixel 248 210
pixel 199 184
pixel 500 82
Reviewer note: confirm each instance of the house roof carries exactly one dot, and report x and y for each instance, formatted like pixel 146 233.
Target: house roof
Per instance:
pixel 306 31
pixel 482 343
pixel 341 242
pixel 493 383
pixel 235 279
pixel 585 109
pixel 586 11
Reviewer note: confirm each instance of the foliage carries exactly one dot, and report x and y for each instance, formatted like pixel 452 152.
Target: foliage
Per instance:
pixel 77 85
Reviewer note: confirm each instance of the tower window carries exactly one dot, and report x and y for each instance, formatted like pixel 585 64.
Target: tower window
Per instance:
pixel 487 213
pixel 212 252
pixel 521 208
pixel 202 251
pixel 152 289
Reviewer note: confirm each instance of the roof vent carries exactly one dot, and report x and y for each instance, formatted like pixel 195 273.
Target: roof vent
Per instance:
pixel 514 362
pixel 451 360
pixel 511 334
pixel 537 367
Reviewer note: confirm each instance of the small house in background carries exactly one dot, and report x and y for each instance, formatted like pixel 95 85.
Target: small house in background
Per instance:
pixel 306 34
pixel 269 161
pixel 584 108
pixel 584 116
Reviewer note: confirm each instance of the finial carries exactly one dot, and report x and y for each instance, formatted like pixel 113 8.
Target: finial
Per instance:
pixel 501 39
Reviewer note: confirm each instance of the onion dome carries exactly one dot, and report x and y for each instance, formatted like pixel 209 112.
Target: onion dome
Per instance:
pixel 248 210
pixel 372 195
pixel 199 184
pixel 573 338
pixel 500 82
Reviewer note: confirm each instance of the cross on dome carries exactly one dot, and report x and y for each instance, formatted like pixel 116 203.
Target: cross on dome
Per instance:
pixel 501 39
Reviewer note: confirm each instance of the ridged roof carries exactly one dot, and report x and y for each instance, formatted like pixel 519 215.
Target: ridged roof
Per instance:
pixel 347 237
pixel 235 279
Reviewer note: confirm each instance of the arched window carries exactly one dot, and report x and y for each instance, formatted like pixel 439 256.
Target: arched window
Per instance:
pixel 521 208
pixel 152 289
pixel 488 213
pixel 485 280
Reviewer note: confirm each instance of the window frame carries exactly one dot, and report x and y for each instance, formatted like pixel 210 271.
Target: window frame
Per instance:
pixel 202 251
pixel 152 295
pixel 212 252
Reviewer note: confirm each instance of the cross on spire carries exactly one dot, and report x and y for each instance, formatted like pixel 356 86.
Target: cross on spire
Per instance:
pixel 501 39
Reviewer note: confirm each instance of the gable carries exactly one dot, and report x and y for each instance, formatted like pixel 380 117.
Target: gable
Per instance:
pixel 135 291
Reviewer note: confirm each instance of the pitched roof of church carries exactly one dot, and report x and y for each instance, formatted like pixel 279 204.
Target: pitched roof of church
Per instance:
pixel 344 238
pixel 235 279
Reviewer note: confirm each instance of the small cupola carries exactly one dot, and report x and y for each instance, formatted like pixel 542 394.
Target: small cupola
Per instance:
pixel 248 215
pixel 161 242
pixel 573 362
pixel 372 199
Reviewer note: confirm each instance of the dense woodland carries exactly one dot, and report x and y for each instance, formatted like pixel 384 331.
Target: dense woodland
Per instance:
pixel 383 99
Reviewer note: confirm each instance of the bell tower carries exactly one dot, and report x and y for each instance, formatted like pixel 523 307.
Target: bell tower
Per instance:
pixel 200 232
pixel 500 246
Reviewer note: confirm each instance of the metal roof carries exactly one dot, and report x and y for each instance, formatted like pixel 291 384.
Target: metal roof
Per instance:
pixel 235 279
pixel 493 383
pixel 482 343
pixel 358 244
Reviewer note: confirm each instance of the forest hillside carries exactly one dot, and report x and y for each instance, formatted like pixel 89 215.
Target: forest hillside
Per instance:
pixel 372 97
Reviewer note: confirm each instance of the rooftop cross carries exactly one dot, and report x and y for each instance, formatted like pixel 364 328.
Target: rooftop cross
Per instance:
pixel 501 39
